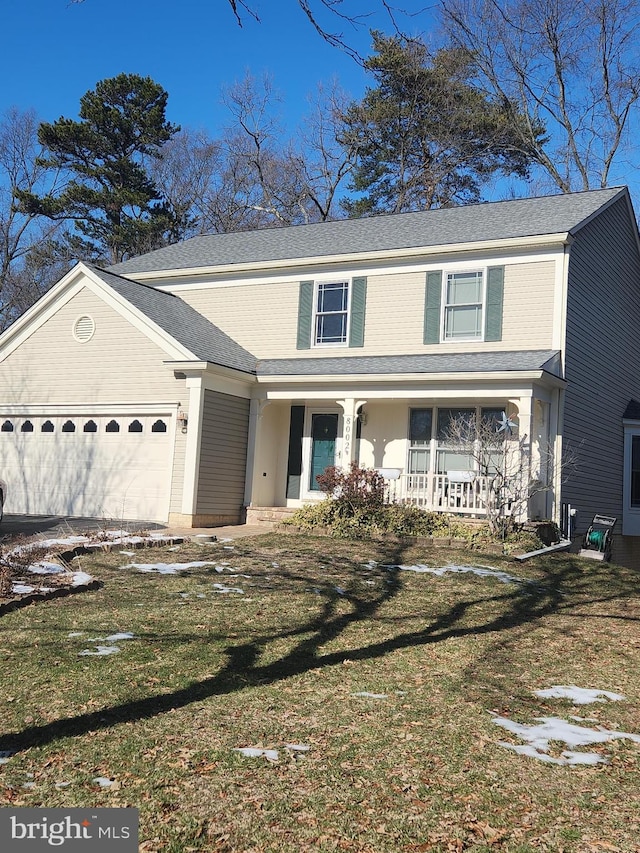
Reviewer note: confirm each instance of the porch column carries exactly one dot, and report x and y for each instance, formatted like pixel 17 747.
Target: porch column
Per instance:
pixel 192 452
pixel 525 432
pixel 256 408
pixel 541 459
pixel 350 408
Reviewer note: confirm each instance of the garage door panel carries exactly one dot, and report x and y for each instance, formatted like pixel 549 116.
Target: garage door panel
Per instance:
pixel 96 473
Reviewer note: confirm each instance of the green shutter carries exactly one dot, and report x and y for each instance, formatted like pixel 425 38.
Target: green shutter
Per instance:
pixel 358 304
pixel 294 463
pixel 433 297
pixel 305 314
pixel 493 312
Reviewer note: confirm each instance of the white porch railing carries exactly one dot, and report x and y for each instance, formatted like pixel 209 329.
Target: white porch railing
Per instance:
pixel 457 492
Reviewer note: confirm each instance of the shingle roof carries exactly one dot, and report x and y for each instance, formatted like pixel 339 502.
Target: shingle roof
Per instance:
pixel 478 362
pixel 473 223
pixel 206 341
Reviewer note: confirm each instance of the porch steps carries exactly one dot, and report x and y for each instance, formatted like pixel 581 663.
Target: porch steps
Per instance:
pixel 268 514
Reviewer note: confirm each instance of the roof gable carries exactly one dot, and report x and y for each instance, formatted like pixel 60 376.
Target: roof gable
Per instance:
pixel 182 322
pixel 179 329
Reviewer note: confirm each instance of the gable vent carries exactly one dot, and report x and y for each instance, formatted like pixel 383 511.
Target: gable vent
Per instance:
pixel 83 329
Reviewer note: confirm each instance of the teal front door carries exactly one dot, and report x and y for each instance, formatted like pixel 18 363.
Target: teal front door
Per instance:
pixel 324 431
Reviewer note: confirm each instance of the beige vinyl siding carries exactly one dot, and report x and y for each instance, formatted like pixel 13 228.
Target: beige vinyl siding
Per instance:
pixel 602 366
pixel 263 318
pixel 177 475
pixel 119 363
pixel 223 455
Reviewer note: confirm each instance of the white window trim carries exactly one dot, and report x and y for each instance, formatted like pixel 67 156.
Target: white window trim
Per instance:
pixel 314 317
pixel 435 445
pixel 630 515
pixel 428 445
pixel 444 304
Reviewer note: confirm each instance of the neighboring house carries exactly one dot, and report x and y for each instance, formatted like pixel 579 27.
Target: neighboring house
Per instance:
pixel 224 373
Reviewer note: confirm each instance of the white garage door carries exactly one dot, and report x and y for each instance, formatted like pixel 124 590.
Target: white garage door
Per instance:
pixel 107 466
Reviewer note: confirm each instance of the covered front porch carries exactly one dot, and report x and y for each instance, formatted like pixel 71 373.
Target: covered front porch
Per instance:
pixel 295 433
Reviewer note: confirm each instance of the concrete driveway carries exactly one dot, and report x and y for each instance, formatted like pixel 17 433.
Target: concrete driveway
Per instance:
pixel 53 526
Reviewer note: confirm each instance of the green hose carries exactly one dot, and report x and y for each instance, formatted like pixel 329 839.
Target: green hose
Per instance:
pixel 596 538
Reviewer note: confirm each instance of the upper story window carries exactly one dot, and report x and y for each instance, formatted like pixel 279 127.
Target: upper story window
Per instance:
pixel 464 296
pixel 464 305
pixel 331 313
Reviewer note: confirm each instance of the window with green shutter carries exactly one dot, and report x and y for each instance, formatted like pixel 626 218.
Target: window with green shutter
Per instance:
pixel 464 305
pixel 332 313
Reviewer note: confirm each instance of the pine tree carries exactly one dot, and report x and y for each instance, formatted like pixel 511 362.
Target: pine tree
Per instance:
pixel 424 136
pixel 116 209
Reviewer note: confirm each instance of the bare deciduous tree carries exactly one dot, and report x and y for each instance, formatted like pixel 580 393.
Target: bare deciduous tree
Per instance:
pixel 23 236
pixel 572 66
pixel 512 470
pixel 254 176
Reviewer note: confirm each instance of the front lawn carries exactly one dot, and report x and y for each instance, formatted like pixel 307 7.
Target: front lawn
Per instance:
pixel 387 698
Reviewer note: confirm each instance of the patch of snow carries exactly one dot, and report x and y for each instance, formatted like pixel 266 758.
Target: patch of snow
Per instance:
pixel 6 755
pixel 256 752
pixel 75 634
pixel 62 784
pixel 297 747
pixel 538 739
pixel 44 567
pixel 220 587
pixel 167 568
pixel 567 757
pixel 340 590
pixel 103 781
pixel 80 578
pixel 124 635
pixel 480 571
pixel 368 695
pixel 53 543
pixel 28 784
pixel 127 553
pixel 578 695
pixel 21 589
pixel 100 651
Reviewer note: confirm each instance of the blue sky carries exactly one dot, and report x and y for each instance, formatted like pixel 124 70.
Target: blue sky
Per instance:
pixel 191 47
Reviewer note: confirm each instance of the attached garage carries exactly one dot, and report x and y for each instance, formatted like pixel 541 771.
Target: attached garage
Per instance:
pixel 103 385
pixel 112 464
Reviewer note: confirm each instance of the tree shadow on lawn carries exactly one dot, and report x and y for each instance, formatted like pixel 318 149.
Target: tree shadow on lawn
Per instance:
pixel 522 603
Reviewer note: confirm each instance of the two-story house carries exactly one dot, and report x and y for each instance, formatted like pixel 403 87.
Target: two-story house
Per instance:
pixel 219 376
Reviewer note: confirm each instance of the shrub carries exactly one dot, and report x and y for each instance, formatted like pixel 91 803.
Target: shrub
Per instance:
pixel 356 488
pixel 355 507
